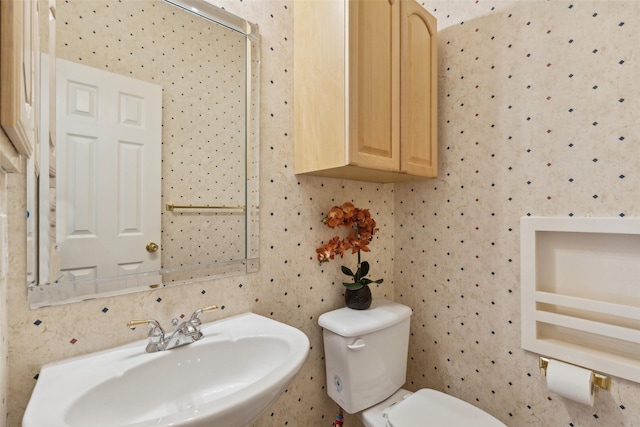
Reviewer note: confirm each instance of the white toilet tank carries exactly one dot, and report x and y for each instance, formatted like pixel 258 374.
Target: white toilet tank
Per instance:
pixel 365 353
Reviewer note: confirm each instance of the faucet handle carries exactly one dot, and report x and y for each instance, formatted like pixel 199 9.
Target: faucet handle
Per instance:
pixel 210 308
pixel 196 314
pixel 156 334
pixel 156 329
pixel 133 323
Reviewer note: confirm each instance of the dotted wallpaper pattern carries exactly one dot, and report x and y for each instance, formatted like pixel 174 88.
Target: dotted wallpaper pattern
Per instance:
pixel 538 116
pixel 449 248
pixel 4 320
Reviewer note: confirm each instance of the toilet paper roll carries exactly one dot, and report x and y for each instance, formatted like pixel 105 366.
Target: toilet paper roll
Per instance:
pixel 570 381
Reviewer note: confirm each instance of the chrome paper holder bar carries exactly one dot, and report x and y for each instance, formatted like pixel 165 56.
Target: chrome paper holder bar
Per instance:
pixel 171 207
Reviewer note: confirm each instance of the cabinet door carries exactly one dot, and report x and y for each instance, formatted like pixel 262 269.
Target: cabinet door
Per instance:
pixel 419 96
pixel 319 85
pixel 374 85
pixel 19 72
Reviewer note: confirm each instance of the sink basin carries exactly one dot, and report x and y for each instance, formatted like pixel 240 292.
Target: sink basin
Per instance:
pixel 226 379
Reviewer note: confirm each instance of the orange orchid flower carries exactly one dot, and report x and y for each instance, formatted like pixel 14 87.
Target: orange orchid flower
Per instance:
pixel 363 229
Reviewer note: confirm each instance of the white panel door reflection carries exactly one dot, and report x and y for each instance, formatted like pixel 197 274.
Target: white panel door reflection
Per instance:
pixel 109 182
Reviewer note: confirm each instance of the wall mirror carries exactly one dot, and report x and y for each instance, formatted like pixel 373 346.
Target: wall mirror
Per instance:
pixel 146 173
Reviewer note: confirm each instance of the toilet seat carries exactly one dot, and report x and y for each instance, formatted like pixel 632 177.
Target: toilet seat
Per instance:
pixel 432 408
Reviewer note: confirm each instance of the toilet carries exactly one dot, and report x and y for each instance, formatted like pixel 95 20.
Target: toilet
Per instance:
pixel 366 364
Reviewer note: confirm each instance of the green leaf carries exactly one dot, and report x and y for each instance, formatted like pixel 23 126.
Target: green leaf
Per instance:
pixel 347 271
pixel 353 286
pixel 364 268
pixel 378 281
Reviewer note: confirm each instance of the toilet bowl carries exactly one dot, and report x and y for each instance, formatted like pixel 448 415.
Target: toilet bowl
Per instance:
pixel 366 361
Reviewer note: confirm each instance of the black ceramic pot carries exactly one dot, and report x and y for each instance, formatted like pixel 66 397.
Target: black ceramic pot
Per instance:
pixel 359 299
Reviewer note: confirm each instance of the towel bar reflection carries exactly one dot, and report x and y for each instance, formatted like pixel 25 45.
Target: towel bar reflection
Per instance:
pixel 171 207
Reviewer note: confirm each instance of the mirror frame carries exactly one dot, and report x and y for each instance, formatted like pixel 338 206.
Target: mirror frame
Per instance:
pixel 42 293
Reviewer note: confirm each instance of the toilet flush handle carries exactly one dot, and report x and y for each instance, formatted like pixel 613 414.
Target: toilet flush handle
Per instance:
pixel 357 345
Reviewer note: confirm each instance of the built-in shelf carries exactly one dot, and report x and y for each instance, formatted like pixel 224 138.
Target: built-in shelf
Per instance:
pixel 580 290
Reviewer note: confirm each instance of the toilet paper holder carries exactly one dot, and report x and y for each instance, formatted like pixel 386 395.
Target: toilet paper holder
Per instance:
pixel 599 381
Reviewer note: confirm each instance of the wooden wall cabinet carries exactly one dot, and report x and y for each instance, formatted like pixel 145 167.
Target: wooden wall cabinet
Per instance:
pixel 19 73
pixel 365 89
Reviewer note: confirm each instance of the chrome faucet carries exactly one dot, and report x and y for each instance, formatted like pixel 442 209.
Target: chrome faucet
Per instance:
pixel 183 333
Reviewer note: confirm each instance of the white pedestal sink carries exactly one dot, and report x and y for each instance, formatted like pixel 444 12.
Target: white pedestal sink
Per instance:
pixel 226 379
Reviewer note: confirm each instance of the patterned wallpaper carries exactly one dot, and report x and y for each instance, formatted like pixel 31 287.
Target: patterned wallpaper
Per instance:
pixel 536 117
pixel 538 106
pixel 4 319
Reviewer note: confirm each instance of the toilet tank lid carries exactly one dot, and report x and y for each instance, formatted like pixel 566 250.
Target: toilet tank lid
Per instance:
pixel 347 322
